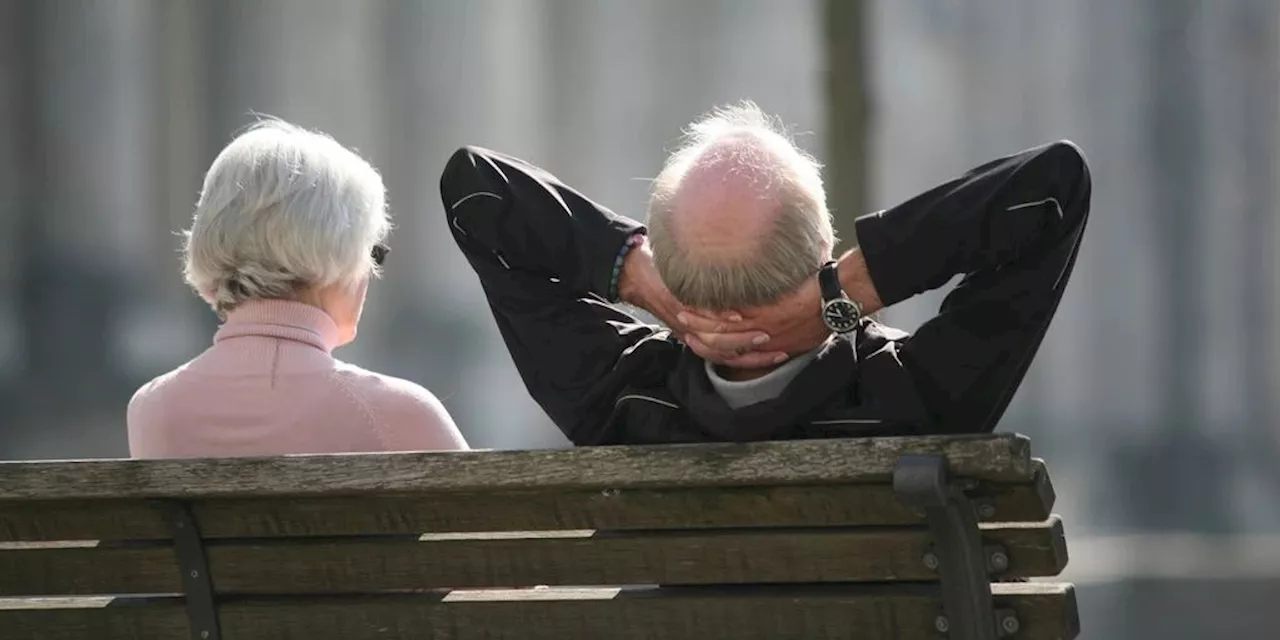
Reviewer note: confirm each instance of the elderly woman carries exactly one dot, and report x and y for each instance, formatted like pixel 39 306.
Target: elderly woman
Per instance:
pixel 286 236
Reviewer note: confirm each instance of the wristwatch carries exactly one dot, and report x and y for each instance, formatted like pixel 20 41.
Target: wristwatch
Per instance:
pixel 839 313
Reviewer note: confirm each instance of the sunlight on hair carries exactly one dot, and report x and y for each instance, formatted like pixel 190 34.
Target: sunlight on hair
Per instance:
pixel 283 208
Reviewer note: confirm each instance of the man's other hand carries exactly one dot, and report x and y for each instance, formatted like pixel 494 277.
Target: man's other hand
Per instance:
pixel 794 326
pixel 640 285
pixel 793 323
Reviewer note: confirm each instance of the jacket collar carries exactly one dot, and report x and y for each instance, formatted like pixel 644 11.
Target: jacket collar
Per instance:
pixel 831 373
pixel 284 319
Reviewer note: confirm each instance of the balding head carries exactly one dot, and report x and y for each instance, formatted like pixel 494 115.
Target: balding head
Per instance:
pixel 738 215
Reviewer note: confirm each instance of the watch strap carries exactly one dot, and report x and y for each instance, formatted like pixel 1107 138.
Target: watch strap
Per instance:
pixel 829 282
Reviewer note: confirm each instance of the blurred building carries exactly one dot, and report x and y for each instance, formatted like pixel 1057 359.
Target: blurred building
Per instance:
pixel 1159 376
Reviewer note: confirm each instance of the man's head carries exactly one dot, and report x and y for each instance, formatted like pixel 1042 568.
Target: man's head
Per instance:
pixel 738 215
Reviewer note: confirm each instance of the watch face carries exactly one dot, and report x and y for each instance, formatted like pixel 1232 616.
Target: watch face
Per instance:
pixel 840 315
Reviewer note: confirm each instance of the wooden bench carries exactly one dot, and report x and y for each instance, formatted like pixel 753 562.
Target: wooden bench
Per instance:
pixel 866 538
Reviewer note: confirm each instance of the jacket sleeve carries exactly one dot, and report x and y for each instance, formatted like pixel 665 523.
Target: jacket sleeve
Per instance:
pixel 1012 228
pixel 545 255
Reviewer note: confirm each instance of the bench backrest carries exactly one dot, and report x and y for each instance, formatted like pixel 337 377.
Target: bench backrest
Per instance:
pixel 793 539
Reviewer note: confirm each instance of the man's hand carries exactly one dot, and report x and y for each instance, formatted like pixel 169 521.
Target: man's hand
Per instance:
pixel 640 285
pixel 794 322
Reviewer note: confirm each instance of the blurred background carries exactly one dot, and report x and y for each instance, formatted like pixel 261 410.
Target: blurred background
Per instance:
pixel 1153 397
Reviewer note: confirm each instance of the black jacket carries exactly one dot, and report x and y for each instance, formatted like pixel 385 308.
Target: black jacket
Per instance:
pixel 545 254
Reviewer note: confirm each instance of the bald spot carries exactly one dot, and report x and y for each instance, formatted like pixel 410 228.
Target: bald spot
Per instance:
pixel 728 201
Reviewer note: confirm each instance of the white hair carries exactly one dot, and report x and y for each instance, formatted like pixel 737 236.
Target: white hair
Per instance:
pixel 802 237
pixel 283 209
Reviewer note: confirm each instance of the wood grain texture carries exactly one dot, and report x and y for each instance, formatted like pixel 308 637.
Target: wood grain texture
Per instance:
pixel 899 612
pixel 999 457
pixel 357 565
pixel 94 618
pixel 626 509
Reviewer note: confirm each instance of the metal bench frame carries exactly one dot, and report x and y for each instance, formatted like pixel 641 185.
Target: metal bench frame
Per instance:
pixel 963 562
pixel 197 584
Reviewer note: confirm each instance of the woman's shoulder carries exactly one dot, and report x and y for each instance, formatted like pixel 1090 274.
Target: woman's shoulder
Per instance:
pixel 388 392
pixel 380 385
pixel 402 409
pixel 155 388
pixel 150 409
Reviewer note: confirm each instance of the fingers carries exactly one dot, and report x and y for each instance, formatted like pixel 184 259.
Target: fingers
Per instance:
pixel 730 316
pixel 713 354
pixel 710 322
pixel 699 323
pixel 739 355
pixel 733 343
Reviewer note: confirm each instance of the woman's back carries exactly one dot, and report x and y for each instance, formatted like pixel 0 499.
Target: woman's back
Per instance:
pixel 269 386
pixel 287 234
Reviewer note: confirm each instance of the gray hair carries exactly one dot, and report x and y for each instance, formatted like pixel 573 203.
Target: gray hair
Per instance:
pixel 283 209
pixel 797 246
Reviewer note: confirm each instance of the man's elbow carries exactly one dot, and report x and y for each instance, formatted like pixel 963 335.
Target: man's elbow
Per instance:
pixel 460 173
pixel 1071 164
pixel 1072 184
pixel 470 186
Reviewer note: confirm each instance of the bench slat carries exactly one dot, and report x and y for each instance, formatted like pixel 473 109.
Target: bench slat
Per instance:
pixel 998 457
pixel 475 561
pixel 901 612
pixel 815 505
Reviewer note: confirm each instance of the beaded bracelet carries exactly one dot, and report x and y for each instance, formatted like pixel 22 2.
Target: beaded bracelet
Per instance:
pixel 633 241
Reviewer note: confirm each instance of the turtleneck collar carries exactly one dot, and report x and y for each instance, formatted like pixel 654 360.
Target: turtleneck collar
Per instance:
pixel 285 319
pixel 827 373
pixel 738 394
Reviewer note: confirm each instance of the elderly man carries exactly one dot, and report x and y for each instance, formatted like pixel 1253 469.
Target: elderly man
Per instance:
pixel 770 338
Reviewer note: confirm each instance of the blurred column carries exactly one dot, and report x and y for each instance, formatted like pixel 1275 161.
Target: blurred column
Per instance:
pixel 89 238
pixel 1273 240
pixel 1230 151
pixel 1120 262
pixel 1241 215
pixel 847 144
pixel 1166 495
pixel 1256 30
pixel 15 170
pixel 604 104
pixel 458 73
pixel 169 324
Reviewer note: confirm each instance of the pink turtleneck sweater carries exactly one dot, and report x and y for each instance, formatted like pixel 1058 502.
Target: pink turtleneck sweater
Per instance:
pixel 270 386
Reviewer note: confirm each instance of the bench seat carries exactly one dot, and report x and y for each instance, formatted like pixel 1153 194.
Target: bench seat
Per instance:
pixel 807 539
